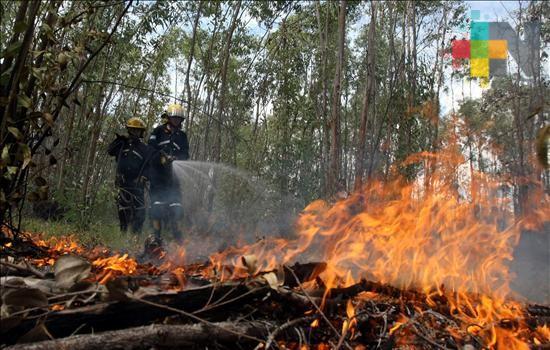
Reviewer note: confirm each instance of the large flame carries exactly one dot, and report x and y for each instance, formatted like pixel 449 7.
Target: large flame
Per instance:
pixel 448 235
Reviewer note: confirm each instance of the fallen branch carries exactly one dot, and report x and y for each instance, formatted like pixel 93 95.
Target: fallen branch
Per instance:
pixel 147 337
pixel 115 315
pixel 193 317
pixel 282 327
pixel 29 270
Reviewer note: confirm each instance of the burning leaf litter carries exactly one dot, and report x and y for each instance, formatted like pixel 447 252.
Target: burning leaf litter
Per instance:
pixel 403 266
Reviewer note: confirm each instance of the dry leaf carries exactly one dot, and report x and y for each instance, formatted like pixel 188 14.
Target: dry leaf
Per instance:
pixel 250 262
pixel 46 286
pixel 22 298
pixel 272 280
pixel 69 270
pixel 280 272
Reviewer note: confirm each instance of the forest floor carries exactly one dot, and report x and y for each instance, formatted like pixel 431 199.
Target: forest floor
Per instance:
pixel 99 232
pixel 529 263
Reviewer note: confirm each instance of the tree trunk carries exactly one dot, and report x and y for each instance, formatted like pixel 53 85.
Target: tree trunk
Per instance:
pixel 335 151
pixel 368 94
pixel 67 138
pixel 190 61
pixel 158 336
pixel 324 144
pixel 93 139
pixel 221 107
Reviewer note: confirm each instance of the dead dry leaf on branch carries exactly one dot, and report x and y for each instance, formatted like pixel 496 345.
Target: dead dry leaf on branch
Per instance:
pixel 250 262
pixel 16 299
pixel 69 270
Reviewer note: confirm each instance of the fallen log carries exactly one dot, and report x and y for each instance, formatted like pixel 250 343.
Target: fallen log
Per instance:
pixel 116 315
pixel 165 336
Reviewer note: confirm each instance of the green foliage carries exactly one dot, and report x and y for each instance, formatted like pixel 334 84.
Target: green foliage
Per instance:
pixel 63 100
pixel 99 233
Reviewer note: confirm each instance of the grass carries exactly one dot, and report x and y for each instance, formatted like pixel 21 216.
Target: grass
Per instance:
pixel 98 233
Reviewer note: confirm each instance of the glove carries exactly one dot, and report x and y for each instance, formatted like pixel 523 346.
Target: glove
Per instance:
pixel 121 139
pixel 165 159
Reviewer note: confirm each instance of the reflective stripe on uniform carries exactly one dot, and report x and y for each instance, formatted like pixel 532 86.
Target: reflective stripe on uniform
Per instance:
pixel 164 142
pixel 158 203
pixel 153 137
pixel 137 154
pixel 175 205
pixel 176 145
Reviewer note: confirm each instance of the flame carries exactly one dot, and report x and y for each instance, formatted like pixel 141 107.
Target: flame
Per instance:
pixel 55 247
pixel 351 322
pixel 542 334
pixel 448 236
pixel 179 272
pixel 114 265
pixel 396 326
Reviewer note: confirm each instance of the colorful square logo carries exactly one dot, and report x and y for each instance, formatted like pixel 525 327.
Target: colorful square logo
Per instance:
pixel 479 48
pixel 479 31
pixel 479 67
pixel 498 49
pixel 487 57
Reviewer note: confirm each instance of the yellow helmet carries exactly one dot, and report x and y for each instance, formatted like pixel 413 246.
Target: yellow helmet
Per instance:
pixel 135 123
pixel 175 110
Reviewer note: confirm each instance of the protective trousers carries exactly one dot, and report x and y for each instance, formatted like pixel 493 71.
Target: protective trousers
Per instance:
pixel 131 208
pixel 166 208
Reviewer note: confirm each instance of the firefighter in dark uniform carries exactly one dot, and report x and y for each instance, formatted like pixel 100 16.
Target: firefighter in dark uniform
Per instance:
pixel 132 156
pixel 170 144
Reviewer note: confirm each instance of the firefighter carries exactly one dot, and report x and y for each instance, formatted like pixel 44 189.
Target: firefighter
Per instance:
pixel 132 156
pixel 170 144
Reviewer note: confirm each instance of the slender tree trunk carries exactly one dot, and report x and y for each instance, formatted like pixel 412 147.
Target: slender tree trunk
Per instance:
pixel 67 138
pixel 11 90
pixel 189 63
pixel 396 65
pixel 323 117
pixel 221 107
pixel 93 139
pixel 368 94
pixel 335 147
pixel 438 67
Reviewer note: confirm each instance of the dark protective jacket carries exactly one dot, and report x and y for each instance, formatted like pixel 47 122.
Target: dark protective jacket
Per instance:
pixel 172 142
pixel 132 157
pixel 168 144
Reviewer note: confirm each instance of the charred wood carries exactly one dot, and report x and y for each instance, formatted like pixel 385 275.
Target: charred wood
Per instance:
pixel 304 272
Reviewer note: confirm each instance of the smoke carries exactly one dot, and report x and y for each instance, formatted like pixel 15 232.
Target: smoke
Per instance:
pixel 531 265
pixel 224 206
pixel 467 243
